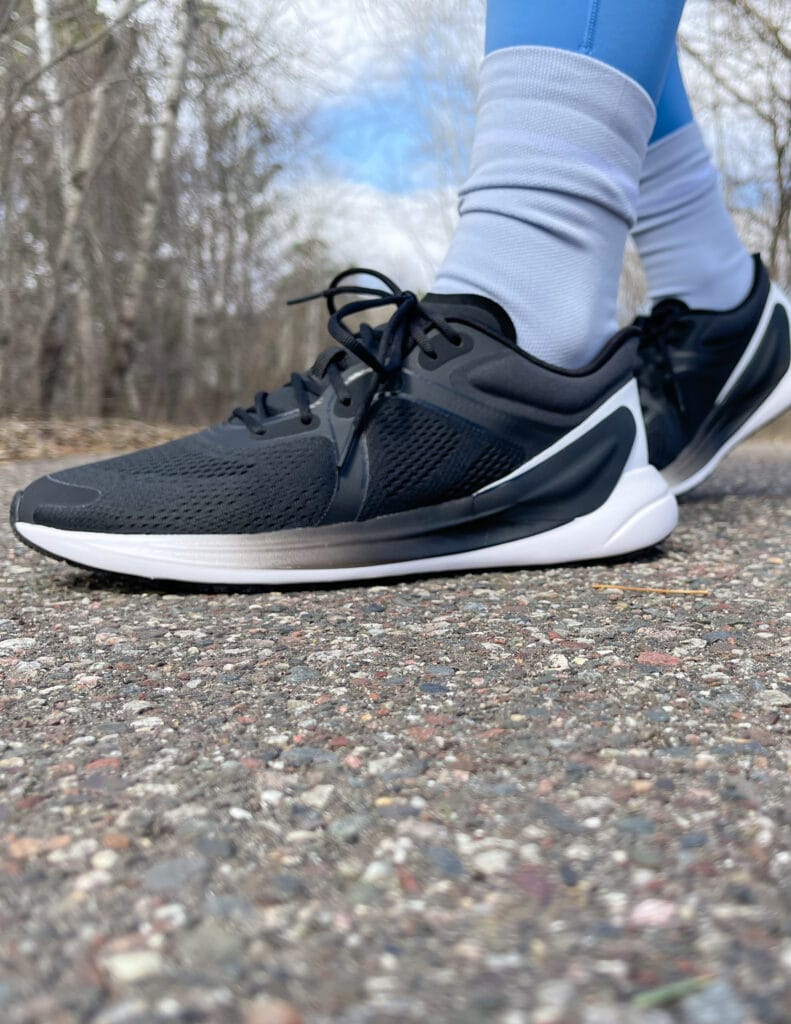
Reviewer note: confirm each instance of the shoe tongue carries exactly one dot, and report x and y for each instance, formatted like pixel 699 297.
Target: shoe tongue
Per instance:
pixel 473 309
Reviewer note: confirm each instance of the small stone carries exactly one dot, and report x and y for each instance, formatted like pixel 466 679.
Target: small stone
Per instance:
pixel 377 871
pixel 116 841
pixel 298 757
pixel 652 914
pixel 716 1004
pixel 216 847
pixel 17 643
pixel 569 875
pixel 776 698
pixel 658 658
pixel 171 916
pixel 270 797
pixel 445 861
pixel 290 886
pixel 647 855
pixel 29 846
pixel 348 828
pixel 136 707
pixel 135 965
pixel 555 999
pixel 172 874
pixel 637 825
pixel 318 797
pixel 492 861
pixel 272 1011
pixel 130 1011
pixel 147 723
pixel 210 942
pixel 104 860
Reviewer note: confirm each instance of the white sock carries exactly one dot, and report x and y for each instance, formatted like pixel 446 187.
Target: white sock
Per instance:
pixel 684 233
pixel 559 146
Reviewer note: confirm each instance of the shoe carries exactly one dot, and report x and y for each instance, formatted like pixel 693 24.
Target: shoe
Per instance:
pixel 430 443
pixel 709 380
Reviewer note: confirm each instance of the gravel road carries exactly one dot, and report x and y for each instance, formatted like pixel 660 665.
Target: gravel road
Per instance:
pixel 507 797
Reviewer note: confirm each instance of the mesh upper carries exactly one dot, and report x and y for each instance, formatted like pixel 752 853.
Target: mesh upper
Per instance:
pixel 417 456
pixel 186 486
pixel 420 456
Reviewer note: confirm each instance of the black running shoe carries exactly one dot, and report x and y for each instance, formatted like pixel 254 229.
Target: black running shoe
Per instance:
pixel 709 380
pixel 429 443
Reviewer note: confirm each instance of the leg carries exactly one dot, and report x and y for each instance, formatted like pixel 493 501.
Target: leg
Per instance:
pixel 566 109
pixel 684 233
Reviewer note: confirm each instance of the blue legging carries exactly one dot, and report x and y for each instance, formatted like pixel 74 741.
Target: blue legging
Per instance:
pixel 635 36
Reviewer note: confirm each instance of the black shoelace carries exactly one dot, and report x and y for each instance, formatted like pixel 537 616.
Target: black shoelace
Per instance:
pixel 382 348
pixel 664 328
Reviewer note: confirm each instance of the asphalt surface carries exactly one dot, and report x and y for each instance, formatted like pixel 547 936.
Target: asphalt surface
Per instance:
pixel 507 797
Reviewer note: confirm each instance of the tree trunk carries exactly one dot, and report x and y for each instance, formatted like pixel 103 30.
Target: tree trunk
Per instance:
pixel 70 260
pixel 163 136
pixel 74 181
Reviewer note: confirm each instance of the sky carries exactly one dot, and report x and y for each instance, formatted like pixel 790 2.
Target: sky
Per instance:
pixel 390 88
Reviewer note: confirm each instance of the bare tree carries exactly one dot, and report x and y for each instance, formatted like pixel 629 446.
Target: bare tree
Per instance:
pixel 739 58
pixel 161 150
pixel 74 174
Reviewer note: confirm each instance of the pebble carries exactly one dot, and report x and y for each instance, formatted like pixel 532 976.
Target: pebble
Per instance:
pixel 647 855
pixel 135 965
pixel 348 828
pixel 130 1011
pixel 652 914
pixel 272 1011
pixel 318 797
pixel 298 757
pixel 378 871
pixel 716 1004
pixel 173 873
pixel 104 860
pixel 637 825
pixel 211 943
pixel 147 722
pixel 270 797
pixel 18 643
pixel 446 861
pixel 554 999
pixel 491 862
pixel 216 847
pixel 136 707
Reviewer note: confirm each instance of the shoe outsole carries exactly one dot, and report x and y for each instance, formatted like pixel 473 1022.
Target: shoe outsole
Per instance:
pixel 639 514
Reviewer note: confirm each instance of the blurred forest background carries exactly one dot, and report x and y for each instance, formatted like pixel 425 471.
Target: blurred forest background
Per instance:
pixel 170 174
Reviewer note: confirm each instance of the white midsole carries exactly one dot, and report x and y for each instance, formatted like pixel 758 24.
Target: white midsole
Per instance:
pixel 640 512
pixel 778 402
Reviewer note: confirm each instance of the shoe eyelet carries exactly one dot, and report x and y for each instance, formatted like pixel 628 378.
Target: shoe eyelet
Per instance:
pixel 306 422
pixel 456 340
pixel 346 402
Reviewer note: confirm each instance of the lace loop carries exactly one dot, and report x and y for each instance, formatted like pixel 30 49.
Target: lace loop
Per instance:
pixel 383 349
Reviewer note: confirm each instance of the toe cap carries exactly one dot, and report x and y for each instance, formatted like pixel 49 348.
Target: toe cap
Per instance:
pixel 47 501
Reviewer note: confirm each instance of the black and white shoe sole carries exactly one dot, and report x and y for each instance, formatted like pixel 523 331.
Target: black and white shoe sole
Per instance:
pixel 591 496
pixel 755 394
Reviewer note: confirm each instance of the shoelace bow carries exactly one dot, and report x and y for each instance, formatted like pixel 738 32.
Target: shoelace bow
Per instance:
pixel 662 329
pixel 383 348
